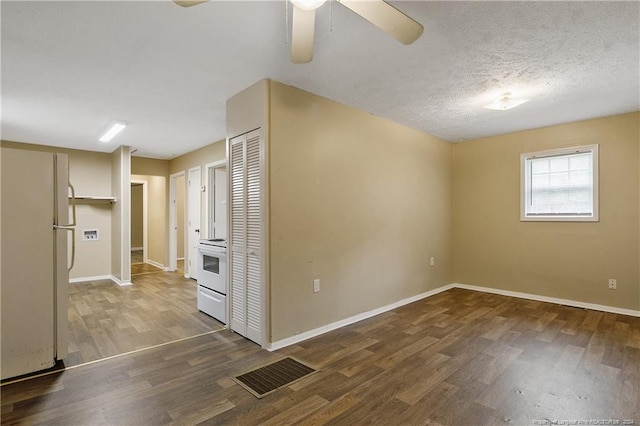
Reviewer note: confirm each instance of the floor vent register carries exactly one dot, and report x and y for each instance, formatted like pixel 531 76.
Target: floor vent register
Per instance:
pixel 264 380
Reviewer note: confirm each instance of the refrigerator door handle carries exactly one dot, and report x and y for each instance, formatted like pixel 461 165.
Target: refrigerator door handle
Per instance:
pixel 73 205
pixel 70 226
pixel 73 242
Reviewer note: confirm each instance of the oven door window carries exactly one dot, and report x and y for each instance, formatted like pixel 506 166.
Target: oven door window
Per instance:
pixel 211 264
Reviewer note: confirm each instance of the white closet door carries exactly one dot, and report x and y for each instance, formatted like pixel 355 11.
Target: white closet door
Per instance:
pixel 246 235
pixel 237 248
pixel 254 237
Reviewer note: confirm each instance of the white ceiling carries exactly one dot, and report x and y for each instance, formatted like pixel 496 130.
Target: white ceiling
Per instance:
pixel 68 68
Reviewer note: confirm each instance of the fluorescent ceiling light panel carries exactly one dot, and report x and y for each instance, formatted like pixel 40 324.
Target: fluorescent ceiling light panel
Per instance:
pixel 113 131
pixel 505 102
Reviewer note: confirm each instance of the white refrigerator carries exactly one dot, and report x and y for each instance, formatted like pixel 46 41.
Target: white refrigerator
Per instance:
pixel 34 274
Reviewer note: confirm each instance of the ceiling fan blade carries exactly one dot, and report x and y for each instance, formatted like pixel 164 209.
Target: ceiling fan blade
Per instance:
pixel 188 3
pixel 387 18
pixel 302 29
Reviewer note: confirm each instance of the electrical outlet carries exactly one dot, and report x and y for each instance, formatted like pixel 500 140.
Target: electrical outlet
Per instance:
pixel 316 285
pixel 613 283
pixel 432 261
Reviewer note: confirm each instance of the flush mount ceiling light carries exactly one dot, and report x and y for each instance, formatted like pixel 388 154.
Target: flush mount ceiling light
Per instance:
pixel 505 102
pixel 115 128
pixel 308 4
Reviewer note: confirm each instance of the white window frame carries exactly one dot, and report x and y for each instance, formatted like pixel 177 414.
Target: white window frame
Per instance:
pixel 524 183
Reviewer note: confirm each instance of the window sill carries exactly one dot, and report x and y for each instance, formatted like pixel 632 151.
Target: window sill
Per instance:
pixel 559 219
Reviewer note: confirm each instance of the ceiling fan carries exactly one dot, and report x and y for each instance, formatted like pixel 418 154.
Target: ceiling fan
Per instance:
pixel 378 12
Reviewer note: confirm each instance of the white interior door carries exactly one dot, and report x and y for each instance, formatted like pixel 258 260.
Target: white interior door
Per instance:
pixel 193 222
pixel 220 203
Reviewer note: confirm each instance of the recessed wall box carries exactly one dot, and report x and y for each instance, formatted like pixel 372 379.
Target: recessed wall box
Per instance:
pixel 89 234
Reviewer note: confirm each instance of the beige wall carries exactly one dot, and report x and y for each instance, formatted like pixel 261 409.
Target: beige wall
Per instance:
pixel 156 174
pixel 558 259
pixel 90 173
pixel 357 201
pixel 198 158
pixel 137 221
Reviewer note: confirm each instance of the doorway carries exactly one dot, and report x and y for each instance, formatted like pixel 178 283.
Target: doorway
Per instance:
pixel 194 191
pixel 139 254
pixel 216 204
pixel 177 238
pixel 180 225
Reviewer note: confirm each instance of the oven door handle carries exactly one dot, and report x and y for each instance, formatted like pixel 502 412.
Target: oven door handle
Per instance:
pixel 208 296
pixel 212 252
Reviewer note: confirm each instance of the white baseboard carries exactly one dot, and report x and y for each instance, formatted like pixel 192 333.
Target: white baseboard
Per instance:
pixel 85 279
pixel 279 344
pixel 120 283
pixel 137 248
pixel 538 298
pixel 156 264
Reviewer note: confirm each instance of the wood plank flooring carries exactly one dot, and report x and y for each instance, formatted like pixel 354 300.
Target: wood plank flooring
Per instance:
pixel 106 319
pixel 137 256
pixel 457 358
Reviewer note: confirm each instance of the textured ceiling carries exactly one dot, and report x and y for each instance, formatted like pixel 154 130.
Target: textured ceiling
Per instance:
pixel 68 68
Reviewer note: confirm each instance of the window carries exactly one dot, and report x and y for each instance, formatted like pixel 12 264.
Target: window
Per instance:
pixel 560 185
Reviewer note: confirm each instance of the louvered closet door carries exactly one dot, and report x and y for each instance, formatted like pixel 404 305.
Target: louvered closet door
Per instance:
pixel 254 242
pixel 246 236
pixel 237 251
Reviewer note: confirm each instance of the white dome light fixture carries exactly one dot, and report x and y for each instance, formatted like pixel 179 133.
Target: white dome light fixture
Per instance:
pixel 505 102
pixel 308 4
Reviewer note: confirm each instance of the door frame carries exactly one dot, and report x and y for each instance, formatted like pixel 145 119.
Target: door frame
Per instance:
pixel 187 215
pixel 210 167
pixel 173 221
pixel 145 234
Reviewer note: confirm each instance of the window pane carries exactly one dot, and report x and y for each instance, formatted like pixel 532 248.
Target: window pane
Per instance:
pixel 559 164
pixel 540 181
pixel 540 166
pixel 559 180
pixel 580 178
pixel 580 162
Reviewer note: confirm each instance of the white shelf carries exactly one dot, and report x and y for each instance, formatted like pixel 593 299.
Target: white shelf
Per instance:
pixel 91 198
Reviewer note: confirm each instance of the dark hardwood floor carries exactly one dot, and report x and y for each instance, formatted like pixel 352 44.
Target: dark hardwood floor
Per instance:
pixel 106 319
pixel 457 358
